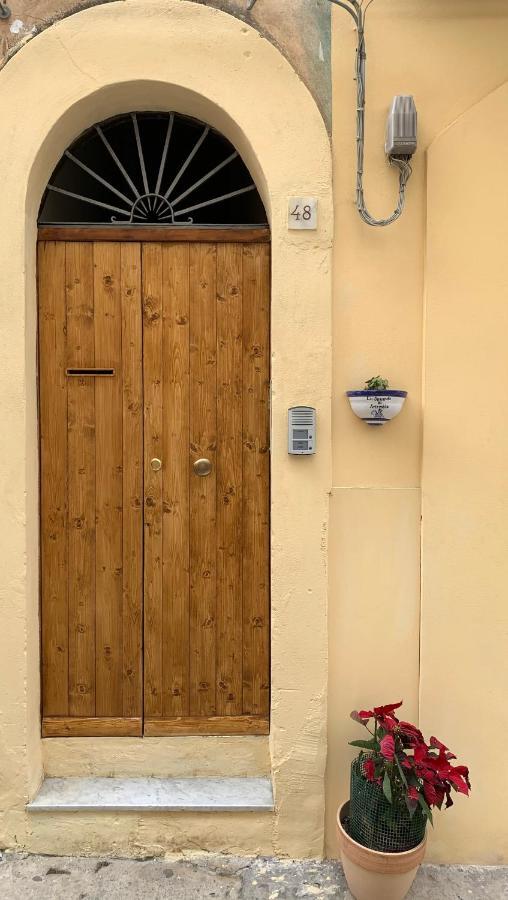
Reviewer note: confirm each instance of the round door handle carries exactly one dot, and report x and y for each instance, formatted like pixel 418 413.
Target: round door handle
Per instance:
pixel 202 467
pixel 156 464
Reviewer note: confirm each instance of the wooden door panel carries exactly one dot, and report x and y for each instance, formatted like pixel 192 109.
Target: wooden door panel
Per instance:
pixel 185 329
pixel 81 480
pixel 153 449
pixel 54 496
pixel 256 444
pixel 175 480
pixel 91 592
pixel 108 481
pixel 229 480
pixel 132 519
pixel 207 617
pixel 203 443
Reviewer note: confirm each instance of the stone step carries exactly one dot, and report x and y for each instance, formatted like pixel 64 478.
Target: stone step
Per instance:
pixel 153 794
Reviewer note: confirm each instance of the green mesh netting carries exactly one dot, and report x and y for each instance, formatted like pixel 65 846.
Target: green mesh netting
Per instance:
pixel 377 824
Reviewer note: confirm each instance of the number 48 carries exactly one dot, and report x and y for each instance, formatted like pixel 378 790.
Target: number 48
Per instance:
pixel 302 212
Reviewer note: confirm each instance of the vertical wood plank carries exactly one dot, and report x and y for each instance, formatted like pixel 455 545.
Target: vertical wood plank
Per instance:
pixel 108 490
pixel 203 441
pixel 175 501
pixel 153 406
pixel 81 478
pixel 229 479
pixel 256 380
pixel 53 437
pixel 132 362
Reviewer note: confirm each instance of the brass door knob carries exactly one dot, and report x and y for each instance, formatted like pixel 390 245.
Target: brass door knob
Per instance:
pixel 156 464
pixel 202 467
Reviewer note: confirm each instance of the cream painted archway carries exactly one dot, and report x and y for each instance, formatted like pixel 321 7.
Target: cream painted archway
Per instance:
pixel 172 54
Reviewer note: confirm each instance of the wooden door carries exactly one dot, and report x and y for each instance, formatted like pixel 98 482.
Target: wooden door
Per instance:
pixel 91 487
pixel 206 382
pixel 183 329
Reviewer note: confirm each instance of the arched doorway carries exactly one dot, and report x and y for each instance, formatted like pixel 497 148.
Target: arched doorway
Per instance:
pixel 154 273
pixel 99 63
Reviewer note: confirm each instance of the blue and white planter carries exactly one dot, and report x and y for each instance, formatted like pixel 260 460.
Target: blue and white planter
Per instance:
pixel 376 407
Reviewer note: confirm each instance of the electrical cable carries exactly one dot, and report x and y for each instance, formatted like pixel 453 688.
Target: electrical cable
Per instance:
pixel 402 163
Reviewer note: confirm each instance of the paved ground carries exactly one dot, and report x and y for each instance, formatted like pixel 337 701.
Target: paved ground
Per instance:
pixel 24 877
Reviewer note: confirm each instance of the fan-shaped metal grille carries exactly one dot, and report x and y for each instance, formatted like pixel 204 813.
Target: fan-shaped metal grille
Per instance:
pixel 151 168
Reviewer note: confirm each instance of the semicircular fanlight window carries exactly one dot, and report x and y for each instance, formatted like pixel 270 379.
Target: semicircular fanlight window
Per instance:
pixel 151 168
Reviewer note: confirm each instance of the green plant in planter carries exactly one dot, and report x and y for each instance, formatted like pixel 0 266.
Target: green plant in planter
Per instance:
pixel 396 781
pixel 376 384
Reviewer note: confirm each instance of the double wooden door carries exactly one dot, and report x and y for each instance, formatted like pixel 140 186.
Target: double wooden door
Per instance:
pixel 154 429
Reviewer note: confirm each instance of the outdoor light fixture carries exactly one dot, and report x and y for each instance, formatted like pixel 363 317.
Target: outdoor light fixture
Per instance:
pixel 401 137
pixel 401 126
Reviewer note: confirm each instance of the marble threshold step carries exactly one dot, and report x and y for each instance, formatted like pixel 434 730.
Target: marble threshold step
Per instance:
pixel 152 794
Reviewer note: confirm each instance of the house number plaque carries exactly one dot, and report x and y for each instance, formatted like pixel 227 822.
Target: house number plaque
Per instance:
pixel 302 213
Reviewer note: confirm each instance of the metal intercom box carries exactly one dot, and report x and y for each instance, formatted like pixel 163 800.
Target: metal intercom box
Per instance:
pixel 301 430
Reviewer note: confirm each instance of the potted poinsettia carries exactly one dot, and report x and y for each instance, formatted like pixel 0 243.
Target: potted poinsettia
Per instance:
pixel 397 779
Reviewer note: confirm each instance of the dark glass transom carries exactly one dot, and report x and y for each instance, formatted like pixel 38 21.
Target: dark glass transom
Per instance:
pixel 151 168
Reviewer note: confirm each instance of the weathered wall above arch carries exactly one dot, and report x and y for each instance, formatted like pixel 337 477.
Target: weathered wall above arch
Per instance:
pixel 301 33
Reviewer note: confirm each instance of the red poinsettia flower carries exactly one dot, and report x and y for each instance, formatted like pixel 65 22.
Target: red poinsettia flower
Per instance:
pixel 458 782
pixel 423 773
pixel 412 733
pixel 378 711
pixel 385 710
pixel 369 769
pixel 387 747
pixel 429 792
pixel 464 771
pixel 437 744
pixel 440 795
pixel 443 749
pixel 420 753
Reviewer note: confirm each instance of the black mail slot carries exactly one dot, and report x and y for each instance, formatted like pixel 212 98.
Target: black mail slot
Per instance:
pixel 90 372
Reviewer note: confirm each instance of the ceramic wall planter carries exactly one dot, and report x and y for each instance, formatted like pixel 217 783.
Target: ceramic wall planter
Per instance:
pixel 372 875
pixel 376 407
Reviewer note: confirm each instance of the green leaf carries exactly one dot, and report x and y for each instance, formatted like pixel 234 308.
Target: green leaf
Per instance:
pixel 403 777
pixel 426 808
pixel 387 787
pixel 411 806
pixel 365 745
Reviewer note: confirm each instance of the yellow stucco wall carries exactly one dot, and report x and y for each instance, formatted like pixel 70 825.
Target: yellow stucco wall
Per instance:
pixel 418 302
pixel 465 479
pixel 450 55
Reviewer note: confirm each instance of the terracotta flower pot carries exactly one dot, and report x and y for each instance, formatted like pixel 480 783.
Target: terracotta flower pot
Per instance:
pixel 372 875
